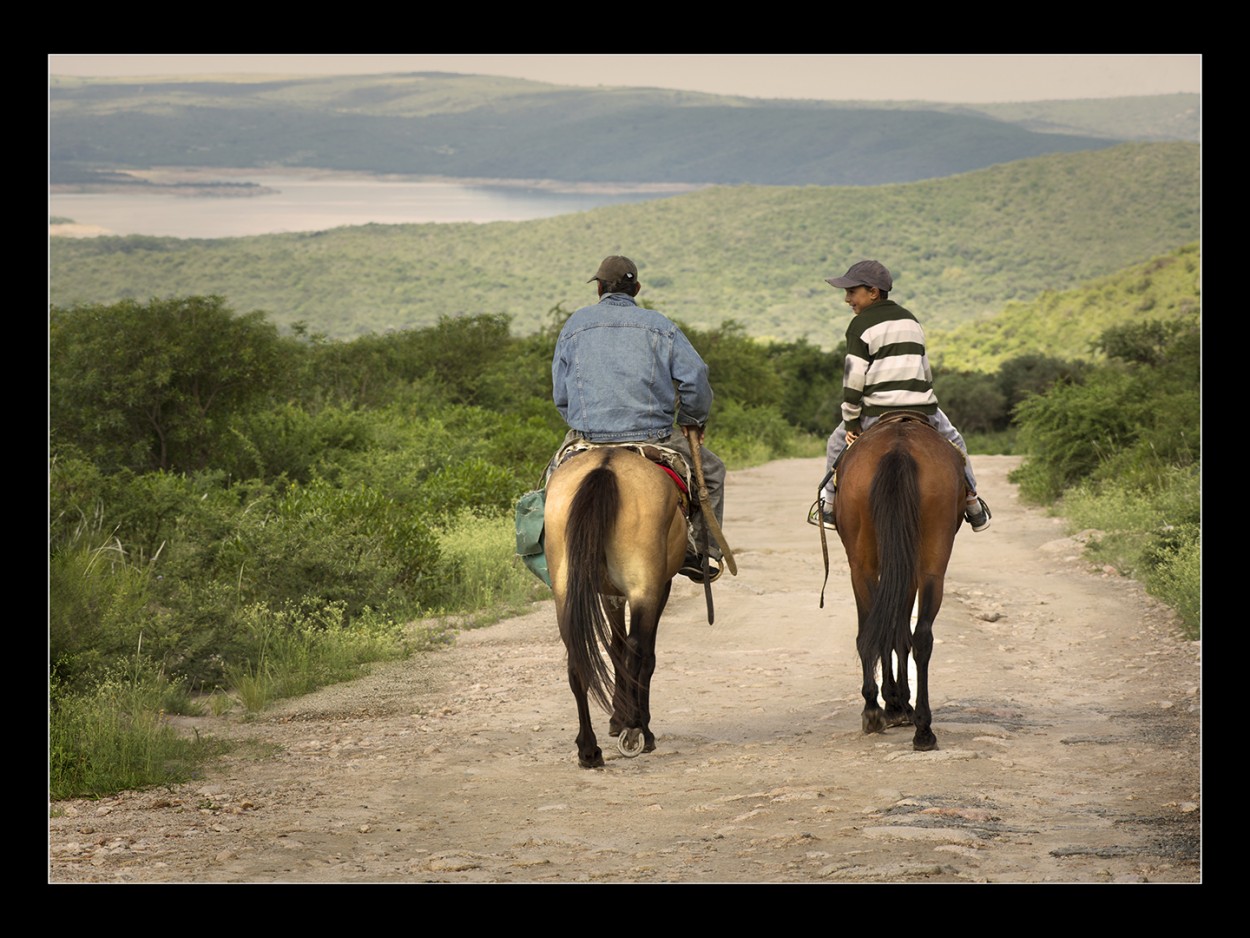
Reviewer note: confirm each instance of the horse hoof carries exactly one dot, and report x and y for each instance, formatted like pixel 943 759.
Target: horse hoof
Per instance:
pixel 873 722
pixel 631 742
pixel 594 761
pixel 898 718
pixel 924 742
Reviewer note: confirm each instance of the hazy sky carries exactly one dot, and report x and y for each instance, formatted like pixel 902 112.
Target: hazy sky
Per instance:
pixel 971 79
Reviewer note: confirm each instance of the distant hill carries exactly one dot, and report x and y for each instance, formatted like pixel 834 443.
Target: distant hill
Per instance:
pixel 962 248
pixel 1065 323
pixel 469 126
pixel 1146 117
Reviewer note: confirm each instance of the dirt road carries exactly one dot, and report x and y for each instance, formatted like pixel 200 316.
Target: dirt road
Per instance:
pixel 1066 707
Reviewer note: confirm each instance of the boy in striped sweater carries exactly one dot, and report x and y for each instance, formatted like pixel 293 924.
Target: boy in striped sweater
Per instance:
pixel 887 369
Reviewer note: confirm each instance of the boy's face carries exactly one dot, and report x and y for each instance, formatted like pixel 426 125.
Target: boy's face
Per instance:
pixel 861 297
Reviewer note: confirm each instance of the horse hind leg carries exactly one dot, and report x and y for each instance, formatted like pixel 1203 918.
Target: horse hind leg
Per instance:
pixel 873 718
pixel 614 606
pixel 647 639
pixel 632 711
pixel 631 714
pixel 589 755
pixel 581 677
pixel 923 644
pixel 897 689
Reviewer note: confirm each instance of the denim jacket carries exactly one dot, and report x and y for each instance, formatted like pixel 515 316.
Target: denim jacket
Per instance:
pixel 619 369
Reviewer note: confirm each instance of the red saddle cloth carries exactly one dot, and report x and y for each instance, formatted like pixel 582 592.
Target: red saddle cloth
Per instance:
pixel 681 483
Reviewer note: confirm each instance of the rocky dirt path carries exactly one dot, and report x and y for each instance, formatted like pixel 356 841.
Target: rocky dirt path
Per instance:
pixel 1067 711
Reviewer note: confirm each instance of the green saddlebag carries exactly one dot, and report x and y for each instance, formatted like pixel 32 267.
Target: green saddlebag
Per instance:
pixel 529 533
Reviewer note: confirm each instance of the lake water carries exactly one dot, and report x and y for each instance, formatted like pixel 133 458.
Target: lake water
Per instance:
pixel 316 202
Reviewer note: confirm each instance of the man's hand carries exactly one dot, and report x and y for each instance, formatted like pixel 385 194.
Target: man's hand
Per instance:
pixel 693 433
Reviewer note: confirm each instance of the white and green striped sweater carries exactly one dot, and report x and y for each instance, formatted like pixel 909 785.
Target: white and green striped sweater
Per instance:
pixel 887 366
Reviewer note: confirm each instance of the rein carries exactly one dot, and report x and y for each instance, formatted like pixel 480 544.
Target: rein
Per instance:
pixel 824 543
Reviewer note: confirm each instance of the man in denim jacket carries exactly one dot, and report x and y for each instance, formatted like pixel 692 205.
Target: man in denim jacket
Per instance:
pixel 624 373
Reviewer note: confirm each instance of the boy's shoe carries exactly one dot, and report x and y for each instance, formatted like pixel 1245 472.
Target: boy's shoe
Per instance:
pixel 821 513
pixel 978 517
pixel 693 568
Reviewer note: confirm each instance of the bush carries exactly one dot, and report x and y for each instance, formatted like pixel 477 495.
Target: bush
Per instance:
pixel 481 573
pixel 973 402
pixel 299 648
pixel 747 436
pixel 1175 577
pixel 155 385
pixel 291 443
pixel 1150 532
pixel 1070 430
pixel 97 610
pixel 113 737
pixel 327 545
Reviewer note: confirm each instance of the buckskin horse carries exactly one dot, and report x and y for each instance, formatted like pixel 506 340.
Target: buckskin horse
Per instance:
pixel 615 536
pixel 899 504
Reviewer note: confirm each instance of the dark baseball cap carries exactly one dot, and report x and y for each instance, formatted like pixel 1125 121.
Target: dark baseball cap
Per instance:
pixel 615 269
pixel 865 274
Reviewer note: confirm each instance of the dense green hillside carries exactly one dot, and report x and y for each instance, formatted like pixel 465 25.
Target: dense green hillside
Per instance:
pixel 1065 323
pixel 962 248
pixel 473 126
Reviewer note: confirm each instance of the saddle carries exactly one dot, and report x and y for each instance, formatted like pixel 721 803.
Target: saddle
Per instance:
pixel 669 460
pixel 894 416
pixel 530 546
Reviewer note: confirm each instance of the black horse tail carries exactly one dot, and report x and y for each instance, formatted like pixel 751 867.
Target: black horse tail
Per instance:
pixel 592 517
pixel 895 499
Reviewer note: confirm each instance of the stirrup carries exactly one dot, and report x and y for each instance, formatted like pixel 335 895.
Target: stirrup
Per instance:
pixel 693 568
pixel 818 514
pixel 979 520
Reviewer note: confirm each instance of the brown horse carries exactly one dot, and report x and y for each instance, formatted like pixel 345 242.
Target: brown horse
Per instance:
pixel 899 505
pixel 615 536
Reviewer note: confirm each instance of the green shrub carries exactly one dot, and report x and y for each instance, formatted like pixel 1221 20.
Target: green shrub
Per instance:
pixel 474 485
pixel 323 544
pixel 1175 577
pixel 481 573
pixel 296 649
pixel 289 442
pixel 1151 532
pixel 1068 431
pixel 973 402
pixel 97 610
pixel 747 436
pixel 155 385
pixel 114 737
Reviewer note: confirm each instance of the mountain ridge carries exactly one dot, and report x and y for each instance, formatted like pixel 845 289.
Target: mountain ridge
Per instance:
pixel 961 248
pixel 443 124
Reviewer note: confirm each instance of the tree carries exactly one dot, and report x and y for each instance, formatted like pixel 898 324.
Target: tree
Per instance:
pixel 738 366
pixel 812 384
pixel 1026 375
pixel 153 385
pixel 973 401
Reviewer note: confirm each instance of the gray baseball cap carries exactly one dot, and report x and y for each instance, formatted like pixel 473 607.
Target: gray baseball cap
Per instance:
pixel 866 274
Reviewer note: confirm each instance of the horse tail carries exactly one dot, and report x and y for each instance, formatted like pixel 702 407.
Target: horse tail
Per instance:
pixel 895 498
pixel 591 520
